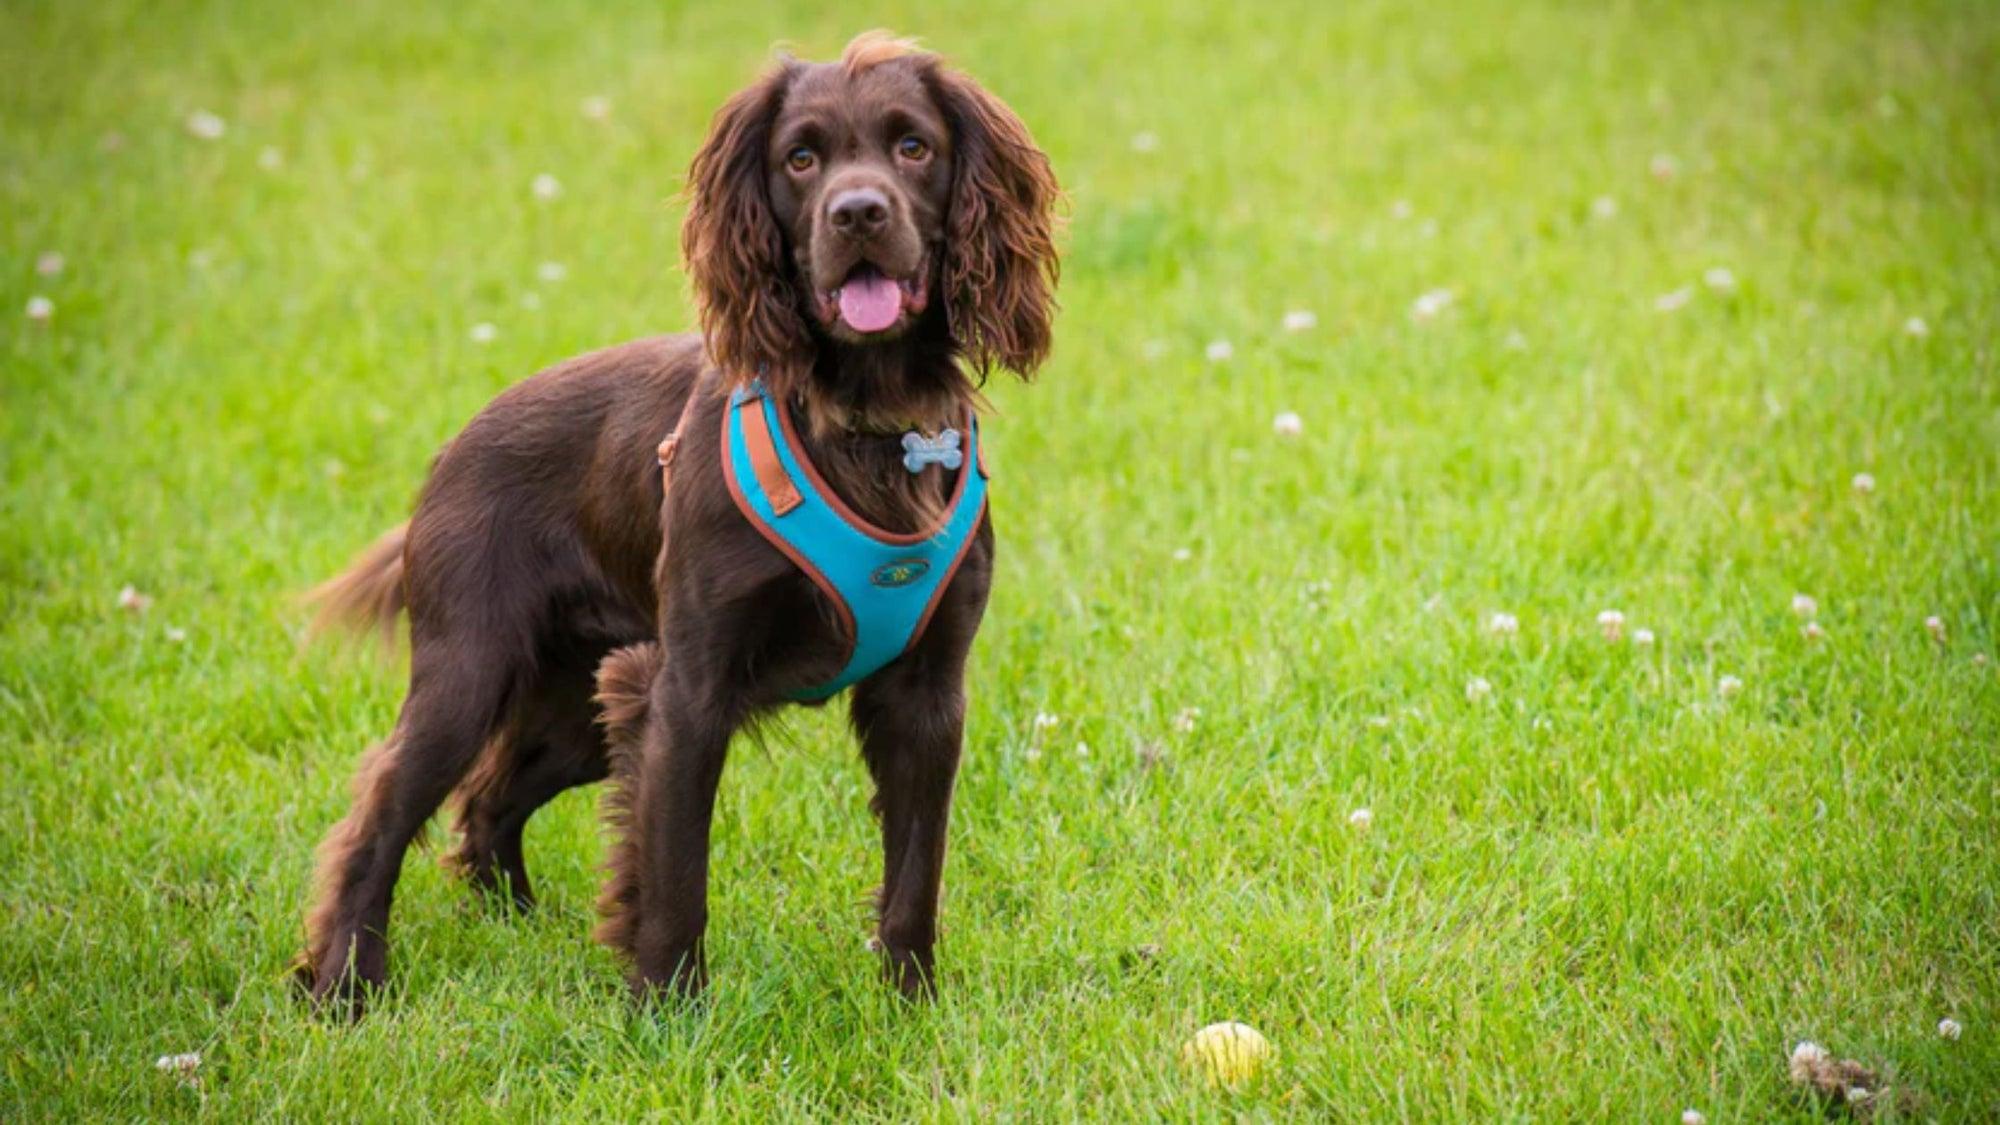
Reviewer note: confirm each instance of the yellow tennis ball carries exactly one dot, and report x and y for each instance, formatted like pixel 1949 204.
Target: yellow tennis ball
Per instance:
pixel 1226 1053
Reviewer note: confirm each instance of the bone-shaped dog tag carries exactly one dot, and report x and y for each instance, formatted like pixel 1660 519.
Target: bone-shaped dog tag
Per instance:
pixel 919 451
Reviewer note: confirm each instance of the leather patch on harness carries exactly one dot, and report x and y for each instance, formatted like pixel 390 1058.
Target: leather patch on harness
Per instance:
pixel 771 474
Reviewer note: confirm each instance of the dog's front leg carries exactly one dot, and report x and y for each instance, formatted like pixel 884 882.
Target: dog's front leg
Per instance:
pixel 911 719
pixel 680 766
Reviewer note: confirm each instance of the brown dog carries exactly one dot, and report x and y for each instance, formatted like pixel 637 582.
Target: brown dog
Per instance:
pixel 869 237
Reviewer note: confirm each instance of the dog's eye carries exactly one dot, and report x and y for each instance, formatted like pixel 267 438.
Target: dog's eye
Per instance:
pixel 801 159
pixel 912 148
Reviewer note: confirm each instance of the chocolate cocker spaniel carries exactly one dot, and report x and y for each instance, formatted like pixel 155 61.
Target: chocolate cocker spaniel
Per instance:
pixel 867 239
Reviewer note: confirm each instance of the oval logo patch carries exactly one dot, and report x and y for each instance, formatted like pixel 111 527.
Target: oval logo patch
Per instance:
pixel 902 572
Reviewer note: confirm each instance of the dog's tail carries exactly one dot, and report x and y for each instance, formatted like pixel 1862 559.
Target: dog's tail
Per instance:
pixel 369 595
pixel 624 686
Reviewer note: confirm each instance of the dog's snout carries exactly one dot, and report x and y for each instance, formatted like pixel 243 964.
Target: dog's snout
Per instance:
pixel 858 212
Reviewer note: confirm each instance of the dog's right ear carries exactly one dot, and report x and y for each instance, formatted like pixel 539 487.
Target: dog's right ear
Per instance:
pixel 734 248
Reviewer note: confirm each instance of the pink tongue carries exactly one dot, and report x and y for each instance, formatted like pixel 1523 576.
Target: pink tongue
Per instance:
pixel 870 304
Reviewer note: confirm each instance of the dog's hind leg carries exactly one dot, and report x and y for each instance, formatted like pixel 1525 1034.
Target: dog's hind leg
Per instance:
pixel 552 746
pixel 458 695
pixel 624 687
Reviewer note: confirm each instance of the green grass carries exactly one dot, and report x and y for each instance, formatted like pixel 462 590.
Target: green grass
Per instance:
pixel 1604 892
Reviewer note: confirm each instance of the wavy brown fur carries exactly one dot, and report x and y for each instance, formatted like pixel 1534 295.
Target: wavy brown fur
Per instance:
pixel 734 248
pixel 1002 266
pixel 334 854
pixel 999 272
pixel 623 681
pixel 369 595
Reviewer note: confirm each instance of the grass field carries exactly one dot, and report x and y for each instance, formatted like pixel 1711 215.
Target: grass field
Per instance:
pixel 1620 882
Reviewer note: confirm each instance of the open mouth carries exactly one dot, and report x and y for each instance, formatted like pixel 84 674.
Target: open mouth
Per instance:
pixel 871 301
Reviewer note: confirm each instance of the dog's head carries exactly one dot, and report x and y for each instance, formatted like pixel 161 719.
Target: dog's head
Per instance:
pixel 854 203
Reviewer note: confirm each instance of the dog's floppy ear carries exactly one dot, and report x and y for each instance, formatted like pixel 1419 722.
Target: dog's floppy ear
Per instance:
pixel 1000 266
pixel 734 248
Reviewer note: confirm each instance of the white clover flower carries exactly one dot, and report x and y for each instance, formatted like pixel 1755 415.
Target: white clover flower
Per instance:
pixel 1979 660
pixel 1604 207
pixel 205 125
pixel 176 634
pixel 1184 722
pixel 1428 305
pixel 1182 554
pixel 1663 166
pixel 270 159
pixel 1728 686
pixel 546 186
pixel 1379 722
pixel 1674 301
pixel 1693 1117
pixel 596 107
pixel 1083 749
pixel 48 263
pixel 1477 688
pixel 1803 605
pixel 1949 1028
pixel 552 271
pixel 1220 351
pixel 1935 625
pixel 1807 1057
pixel 1361 819
pixel 1401 209
pixel 1719 279
pixel 132 601
pixel 1300 320
pixel 1643 638
pixel 1145 141
pixel 181 1067
pixel 484 333
pixel 1915 326
pixel 40 309
pixel 1814 632
pixel 1503 625
pixel 1864 482
pixel 1287 424
pixel 1046 721
pixel 1612 624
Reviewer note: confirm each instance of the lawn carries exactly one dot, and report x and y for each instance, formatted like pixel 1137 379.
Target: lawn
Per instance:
pixel 1679 311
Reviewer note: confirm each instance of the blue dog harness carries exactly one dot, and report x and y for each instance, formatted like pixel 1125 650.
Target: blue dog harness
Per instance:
pixel 885 586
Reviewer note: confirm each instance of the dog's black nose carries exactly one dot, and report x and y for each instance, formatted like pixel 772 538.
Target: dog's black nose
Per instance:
pixel 859 213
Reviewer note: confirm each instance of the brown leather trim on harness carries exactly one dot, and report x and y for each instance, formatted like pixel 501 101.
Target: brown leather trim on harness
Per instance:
pixel 771 474
pixel 854 518
pixel 670 444
pixel 770 534
pixel 951 572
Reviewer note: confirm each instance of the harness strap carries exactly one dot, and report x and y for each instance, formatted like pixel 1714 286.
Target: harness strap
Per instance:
pixel 883 586
pixel 671 444
pixel 779 487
